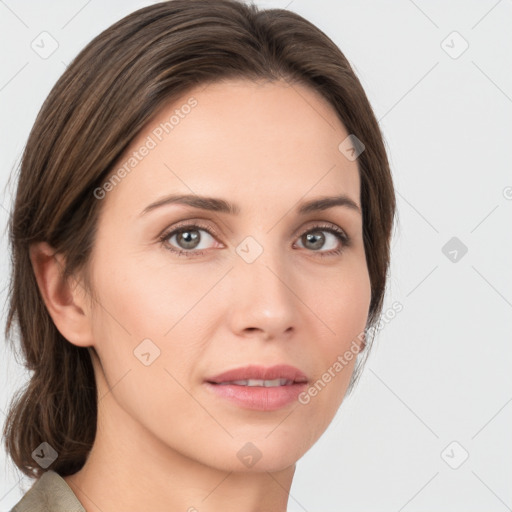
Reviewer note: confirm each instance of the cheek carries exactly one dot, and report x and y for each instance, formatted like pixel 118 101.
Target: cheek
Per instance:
pixel 342 306
pixel 139 325
pixel 147 299
pixel 342 301
pixel 146 307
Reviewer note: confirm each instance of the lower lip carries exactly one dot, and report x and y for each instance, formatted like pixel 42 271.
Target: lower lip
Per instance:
pixel 259 398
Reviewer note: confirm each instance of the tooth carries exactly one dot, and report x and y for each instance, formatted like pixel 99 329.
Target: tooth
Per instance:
pixel 260 382
pixel 255 382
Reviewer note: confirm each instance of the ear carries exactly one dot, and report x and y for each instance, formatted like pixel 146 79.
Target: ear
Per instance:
pixel 66 300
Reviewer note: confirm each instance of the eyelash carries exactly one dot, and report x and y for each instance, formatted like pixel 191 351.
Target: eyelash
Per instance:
pixel 330 228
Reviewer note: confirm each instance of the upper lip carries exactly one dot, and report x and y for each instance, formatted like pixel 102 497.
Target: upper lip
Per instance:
pixel 280 371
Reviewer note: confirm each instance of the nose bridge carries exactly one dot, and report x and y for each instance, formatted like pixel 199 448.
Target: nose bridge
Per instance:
pixel 262 291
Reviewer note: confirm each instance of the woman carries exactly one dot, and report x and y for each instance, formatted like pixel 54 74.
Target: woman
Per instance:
pixel 200 243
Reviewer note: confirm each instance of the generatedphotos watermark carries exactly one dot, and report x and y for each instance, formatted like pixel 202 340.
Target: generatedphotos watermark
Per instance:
pixel 152 140
pixel 344 359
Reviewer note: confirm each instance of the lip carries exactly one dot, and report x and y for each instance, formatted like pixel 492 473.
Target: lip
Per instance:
pixel 259 398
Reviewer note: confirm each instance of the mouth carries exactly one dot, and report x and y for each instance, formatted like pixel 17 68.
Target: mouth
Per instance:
pixel 257 375
pixel 259 388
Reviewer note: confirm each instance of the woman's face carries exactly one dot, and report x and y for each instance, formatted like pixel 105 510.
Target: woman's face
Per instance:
pixel 266 285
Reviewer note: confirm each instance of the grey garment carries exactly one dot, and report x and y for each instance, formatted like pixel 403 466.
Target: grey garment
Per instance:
pixel 50 493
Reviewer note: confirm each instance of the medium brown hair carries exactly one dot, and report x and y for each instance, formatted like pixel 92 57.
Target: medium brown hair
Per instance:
pixel 110 91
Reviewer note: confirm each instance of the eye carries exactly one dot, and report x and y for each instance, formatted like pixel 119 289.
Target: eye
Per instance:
pixel 315 239
pixel 188 240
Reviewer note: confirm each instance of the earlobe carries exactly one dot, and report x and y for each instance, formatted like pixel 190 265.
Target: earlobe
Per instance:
pixel 65 299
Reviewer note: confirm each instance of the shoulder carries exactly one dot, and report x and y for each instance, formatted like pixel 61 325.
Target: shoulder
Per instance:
pixel 50 493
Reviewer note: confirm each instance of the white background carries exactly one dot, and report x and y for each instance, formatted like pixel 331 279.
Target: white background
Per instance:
pixel 441 370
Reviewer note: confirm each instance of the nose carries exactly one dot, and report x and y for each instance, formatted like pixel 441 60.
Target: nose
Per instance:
pixel 262 300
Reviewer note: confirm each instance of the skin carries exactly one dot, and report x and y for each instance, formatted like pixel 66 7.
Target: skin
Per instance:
pixel 163 441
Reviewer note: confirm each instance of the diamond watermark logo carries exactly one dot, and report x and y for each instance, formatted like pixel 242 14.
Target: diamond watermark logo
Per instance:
pixel 455 455
pixel 454 249
pixel 454 45
pixel 249 454
pixel 249 250
pixel 146 352
pixel 44 45
pixel 44 455
pixel 351 148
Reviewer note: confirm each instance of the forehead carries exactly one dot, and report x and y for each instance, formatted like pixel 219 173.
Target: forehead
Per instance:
pixel 267 141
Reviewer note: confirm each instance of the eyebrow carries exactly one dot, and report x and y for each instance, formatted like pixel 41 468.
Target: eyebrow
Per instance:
pixel 222 206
